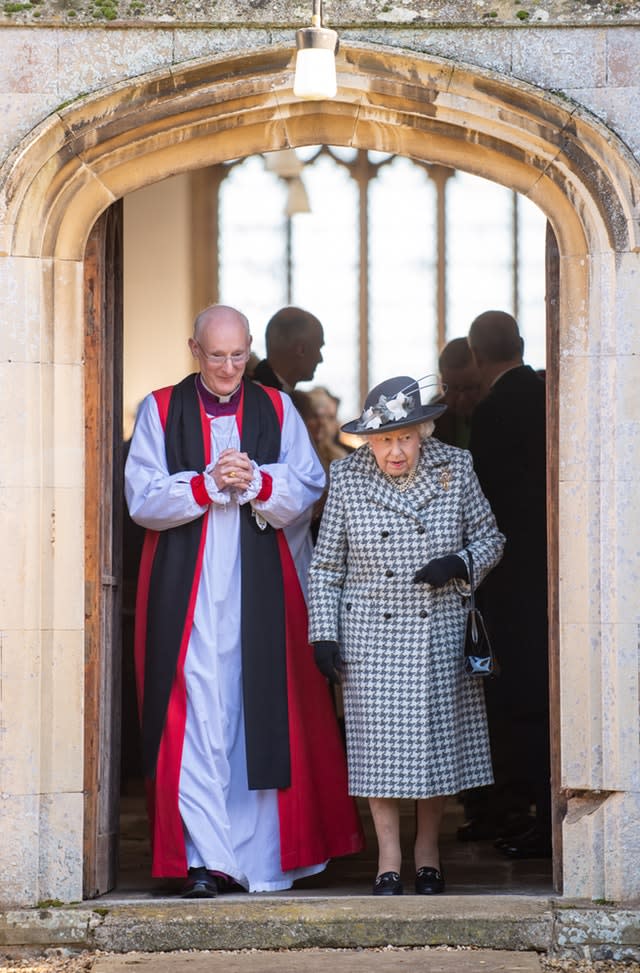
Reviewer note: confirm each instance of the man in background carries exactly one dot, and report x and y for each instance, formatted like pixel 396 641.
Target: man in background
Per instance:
pixel 508 444
pixel 294 338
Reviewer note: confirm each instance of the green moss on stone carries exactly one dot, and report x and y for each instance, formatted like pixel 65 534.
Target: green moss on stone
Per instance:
pixel 105 9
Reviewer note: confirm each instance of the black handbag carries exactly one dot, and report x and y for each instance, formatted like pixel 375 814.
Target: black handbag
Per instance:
pixel 479 659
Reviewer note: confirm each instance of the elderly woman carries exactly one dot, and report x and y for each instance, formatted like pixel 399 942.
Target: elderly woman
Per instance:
pixel 388 587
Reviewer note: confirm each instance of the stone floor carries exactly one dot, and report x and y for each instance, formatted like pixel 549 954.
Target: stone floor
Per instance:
pixel 473 868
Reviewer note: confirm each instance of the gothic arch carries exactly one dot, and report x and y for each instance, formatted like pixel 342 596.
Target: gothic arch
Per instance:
pixel 94 151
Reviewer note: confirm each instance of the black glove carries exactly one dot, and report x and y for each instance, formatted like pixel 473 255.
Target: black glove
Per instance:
pixel 328 660
pixel 442 569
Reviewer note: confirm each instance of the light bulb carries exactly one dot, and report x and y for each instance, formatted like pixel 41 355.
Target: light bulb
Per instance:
pixel 315 76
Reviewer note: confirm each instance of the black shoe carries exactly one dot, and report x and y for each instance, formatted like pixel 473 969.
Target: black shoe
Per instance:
pixel 476 830
pixel 200 885
pixel 514 830
pixel 387 884
pixel 531 844
pixel 429 881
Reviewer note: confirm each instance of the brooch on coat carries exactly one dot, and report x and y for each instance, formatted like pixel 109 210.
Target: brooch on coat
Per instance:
pixel 445 478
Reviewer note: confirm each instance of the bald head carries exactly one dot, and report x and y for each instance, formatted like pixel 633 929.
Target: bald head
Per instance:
pixel 221 344
pixel 494 337
pixel 294 338
pixel 496 345
pixel 220 315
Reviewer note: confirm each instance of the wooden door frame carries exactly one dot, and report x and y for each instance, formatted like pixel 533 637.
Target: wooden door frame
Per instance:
pixel 103 528
pixel 552 305
pixel 103 549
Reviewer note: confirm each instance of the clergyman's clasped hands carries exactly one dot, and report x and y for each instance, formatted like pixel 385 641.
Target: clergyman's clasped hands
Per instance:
pixel 233 472
pixel 232 469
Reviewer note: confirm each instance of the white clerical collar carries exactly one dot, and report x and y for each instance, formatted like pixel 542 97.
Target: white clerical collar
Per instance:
pixel 220 398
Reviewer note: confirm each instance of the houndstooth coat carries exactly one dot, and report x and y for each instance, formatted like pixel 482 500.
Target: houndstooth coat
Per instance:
pixel 415 721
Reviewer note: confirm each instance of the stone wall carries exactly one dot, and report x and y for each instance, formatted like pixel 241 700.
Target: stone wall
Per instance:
pixel 45 67
pixel 93 108
pixel 337 13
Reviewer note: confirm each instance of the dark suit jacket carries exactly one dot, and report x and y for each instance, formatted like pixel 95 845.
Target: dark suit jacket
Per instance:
pixel 265 374
pixel 452 429
pixel 508 444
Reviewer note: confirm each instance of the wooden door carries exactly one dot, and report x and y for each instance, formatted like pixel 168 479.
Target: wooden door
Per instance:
pixel 103 549
pixel 558 805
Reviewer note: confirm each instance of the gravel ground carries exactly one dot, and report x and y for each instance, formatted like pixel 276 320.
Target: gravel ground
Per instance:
pixel 59 961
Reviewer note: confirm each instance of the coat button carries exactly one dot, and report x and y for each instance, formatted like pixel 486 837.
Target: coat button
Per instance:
pixel 421 530
pixel 389 573
pixel 384 533
pixel 348 606
pixel 387 615
pixel 423 614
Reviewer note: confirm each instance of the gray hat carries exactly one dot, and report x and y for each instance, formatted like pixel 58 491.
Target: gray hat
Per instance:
pixel 393 404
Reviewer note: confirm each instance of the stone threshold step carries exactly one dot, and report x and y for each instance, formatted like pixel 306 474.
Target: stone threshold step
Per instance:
pixel 114 924
pixel 242 922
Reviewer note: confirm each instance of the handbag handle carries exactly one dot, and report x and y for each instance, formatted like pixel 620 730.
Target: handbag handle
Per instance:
pixel 472 584
pixel 472 599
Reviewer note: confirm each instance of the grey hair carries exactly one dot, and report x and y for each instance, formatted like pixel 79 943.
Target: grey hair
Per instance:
pixel 208 312
pixel 425 429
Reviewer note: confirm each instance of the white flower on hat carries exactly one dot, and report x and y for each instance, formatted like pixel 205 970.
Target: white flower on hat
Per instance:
pixel 370 419
pixel 386 410
pixel 399 406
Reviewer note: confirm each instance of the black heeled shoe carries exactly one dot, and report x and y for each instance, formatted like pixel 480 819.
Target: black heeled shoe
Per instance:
pixel 388 883
pixel 429 881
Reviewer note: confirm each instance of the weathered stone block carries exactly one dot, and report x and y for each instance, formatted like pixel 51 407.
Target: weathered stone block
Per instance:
pixel 615 107
pixel 92 59
pixel 29 62
pixel 623 57
pixel 60 846
pixel 555 59
pixel 21 336
pixel 602 934
pixel 19 837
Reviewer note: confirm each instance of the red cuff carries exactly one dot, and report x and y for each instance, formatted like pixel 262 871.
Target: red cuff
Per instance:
pixel 199 490
pixel 267 487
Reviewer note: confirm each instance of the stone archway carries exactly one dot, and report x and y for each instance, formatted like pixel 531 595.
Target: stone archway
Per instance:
pixel 94 151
